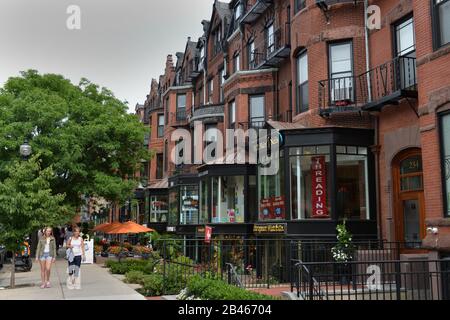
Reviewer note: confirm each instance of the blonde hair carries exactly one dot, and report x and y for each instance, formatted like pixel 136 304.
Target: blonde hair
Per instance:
pixel 44 232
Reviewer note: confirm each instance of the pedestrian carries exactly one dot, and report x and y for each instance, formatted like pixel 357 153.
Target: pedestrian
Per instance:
pixel 68 234
pixel 62 237
pixel 75 257
pixel 46 255
pixel 57 236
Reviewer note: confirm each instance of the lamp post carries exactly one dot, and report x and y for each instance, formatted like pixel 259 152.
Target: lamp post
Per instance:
pixel 25 150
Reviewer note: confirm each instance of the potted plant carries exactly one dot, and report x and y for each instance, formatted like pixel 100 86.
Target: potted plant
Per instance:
pixel 343 252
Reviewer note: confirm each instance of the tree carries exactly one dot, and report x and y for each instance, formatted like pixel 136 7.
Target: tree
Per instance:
pixel 83 132
pixel 27 203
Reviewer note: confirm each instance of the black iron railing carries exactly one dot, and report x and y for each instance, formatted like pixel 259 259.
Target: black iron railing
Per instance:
pixel 382 85
pixel 372 280
pixel 273 48
pixel 266 263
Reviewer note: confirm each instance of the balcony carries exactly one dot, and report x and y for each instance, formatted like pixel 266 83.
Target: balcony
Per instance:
pixel 179 118
pixel 274 50
pixel 212 113
pixel 258 123
pixel 255 11
pixel 325 5
pixel 370 91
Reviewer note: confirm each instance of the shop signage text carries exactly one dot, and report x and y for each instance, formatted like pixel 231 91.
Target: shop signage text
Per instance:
pixel 272 228
pixel 319 188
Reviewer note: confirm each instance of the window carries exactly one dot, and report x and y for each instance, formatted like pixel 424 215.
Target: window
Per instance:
pixel 174 206
pixel 251 55
pixel 302 83
pixel 238 11
pixel 341 73
pixel 445 136
pixel 405 44
pixel 189 205
pixel 211 133
pixel 236 62
pixel 352 183
pixel 271 194
pixel 299 5
pixel 228 199
pixel 210 90
pixel 221 81
pixel 405 47
pixel 232 114
pixel 166 109
pixel 270 34
pixel 257 111
pixel 160 125
pixel 217 41
pixel 441 22
pixel 204 201
pixel 158 209
pixel 159 166
pixel 181 107
pixel 310 182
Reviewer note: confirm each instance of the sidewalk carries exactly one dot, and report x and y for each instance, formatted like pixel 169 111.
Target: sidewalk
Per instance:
pixel 97 284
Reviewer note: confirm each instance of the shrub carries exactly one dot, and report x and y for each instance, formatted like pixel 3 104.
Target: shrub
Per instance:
pixel 117 250
pixel 209 289
pixel 153 285
pixel 135 277
pixel 127 265
pixel 141 250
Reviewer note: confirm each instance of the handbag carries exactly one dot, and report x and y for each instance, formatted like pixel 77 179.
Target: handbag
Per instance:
pixel 69 255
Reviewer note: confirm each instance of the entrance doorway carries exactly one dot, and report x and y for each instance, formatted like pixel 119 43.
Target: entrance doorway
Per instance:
pixel 409 203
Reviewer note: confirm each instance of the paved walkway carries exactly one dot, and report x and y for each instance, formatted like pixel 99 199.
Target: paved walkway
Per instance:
pixel 97 284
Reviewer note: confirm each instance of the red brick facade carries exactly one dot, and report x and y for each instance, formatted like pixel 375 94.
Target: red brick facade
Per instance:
pixel 399 124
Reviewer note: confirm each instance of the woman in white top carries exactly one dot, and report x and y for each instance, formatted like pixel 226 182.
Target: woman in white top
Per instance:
pixel 76 244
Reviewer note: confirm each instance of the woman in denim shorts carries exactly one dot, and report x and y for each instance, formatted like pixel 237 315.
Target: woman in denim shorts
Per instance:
pixel 46 255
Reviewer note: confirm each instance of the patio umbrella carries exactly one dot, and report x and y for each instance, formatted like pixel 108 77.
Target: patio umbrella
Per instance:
pixel 110 226
pixel 128 228
pixel 101 226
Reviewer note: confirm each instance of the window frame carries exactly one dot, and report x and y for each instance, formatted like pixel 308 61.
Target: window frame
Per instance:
pixel 178 117
pixel 236 62
pixel 445 201
pixel 436 25
pixel 159 169
pixel 251 54
pixel 299 107
pixel 330 67
pixel 395 25
pixel 232 111
pixel 250 97
pixel 158 133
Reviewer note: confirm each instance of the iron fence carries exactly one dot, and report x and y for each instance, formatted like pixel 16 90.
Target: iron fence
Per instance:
pixel 372 280
pixel 260 263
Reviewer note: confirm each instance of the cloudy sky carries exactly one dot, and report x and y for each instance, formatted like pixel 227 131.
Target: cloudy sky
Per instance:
pixel 122 44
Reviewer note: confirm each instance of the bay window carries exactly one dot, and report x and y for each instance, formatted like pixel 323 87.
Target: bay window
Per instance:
pixel 310 182
pixel 271 191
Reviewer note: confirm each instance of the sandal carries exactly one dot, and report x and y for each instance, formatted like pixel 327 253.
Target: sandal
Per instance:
pixel 48 285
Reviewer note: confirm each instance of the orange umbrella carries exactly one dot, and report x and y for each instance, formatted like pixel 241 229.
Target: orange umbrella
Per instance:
pixel 101 226
pixel 128 228
pixel 110 226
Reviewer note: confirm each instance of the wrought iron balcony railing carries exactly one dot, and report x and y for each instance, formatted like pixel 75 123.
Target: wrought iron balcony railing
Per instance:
pixel 273 50
pixel 209 112
pixel 255 11
pixel 179 118
pixel 370 91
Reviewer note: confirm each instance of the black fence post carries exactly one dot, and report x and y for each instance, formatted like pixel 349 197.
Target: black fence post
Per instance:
pixel 398 280
pixel 311 285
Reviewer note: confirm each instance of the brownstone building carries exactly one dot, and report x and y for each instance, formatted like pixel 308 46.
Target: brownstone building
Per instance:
pixel 363 112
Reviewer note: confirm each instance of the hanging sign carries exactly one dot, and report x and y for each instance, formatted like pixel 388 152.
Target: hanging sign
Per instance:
pixel 208 234
pixel 319 188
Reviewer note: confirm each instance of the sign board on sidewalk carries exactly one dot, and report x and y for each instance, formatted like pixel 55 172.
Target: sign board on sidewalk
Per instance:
pixel 89 245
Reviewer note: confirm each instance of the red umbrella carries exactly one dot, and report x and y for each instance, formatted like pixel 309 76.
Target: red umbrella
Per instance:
pixel 128 228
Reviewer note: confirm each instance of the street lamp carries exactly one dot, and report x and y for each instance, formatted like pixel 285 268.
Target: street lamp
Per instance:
pixel 25 150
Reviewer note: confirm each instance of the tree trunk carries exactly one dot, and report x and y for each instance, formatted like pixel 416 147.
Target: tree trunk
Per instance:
pixel 13 271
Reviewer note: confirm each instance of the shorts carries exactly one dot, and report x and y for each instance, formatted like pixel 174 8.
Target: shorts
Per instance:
pixel 46 257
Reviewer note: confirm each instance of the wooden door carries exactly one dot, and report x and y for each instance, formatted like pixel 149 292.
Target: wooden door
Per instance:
pixel 409 202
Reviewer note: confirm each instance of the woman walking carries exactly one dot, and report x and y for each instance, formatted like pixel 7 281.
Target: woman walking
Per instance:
pixel 76 254
pixel 46 255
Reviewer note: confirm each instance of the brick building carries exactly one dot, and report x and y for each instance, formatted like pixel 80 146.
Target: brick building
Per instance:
pixel 363 115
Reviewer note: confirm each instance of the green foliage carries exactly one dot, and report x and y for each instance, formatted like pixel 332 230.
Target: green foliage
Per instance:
pixel 153 285
pixel 27 202
pixel 82 131
pixel 135 277
pixel 169 246
pixel 343 251
pixel 210 289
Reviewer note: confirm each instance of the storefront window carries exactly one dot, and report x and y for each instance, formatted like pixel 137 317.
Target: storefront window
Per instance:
pixel 204 202
pixel 310 182
pixel 352 183
pixel 173 206
pixel 228 199
pixel 446 158
pixel 158 209
pixel 271 192
pixel 189 205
